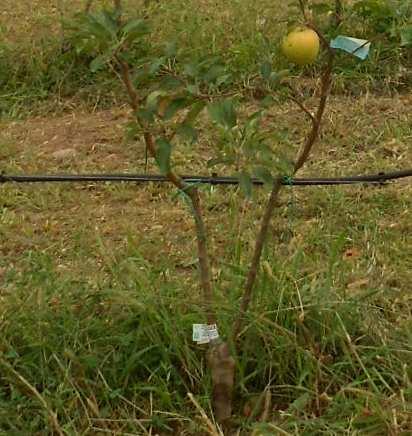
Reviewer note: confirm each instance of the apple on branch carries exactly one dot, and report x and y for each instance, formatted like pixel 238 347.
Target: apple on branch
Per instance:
pixel 301 46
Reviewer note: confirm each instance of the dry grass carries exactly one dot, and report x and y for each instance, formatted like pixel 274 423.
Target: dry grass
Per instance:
pixel 377 139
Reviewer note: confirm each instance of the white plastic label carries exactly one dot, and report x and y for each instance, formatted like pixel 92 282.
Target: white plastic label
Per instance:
pixel 204 333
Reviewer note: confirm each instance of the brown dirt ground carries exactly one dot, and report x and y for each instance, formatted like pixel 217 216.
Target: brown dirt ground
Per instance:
pixel 98 138
pixel 348 146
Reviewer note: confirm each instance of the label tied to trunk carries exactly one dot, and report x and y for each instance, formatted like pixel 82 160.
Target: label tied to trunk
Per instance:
pixel 204 333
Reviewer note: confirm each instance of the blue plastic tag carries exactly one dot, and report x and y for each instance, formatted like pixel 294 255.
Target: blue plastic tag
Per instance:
pixel 357 47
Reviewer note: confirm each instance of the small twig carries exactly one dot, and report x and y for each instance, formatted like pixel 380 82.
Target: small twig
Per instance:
pixel 303 108
pixel 279 431
pixel 322 38
pixel 301 105
pixel 61 13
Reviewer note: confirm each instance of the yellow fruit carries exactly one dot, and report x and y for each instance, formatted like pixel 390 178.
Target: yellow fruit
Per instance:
pixel 301 46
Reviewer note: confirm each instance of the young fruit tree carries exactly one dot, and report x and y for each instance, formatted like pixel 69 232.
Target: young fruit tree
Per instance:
pixel 167 97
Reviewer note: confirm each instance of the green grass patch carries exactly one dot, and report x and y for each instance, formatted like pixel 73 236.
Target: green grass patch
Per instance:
pixel 41 66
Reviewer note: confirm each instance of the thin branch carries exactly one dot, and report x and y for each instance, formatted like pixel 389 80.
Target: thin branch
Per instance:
pixel 254 266
pixel 301 105
pixel 322 38
pixel 118 10
pixel 266 406
pixel 88 6
pixel 338 18
pixel 192 192
pixel 134 99
pixel 314 133
pixel 60 9
pixel 303 9
pixel 272 202
pixel 204 264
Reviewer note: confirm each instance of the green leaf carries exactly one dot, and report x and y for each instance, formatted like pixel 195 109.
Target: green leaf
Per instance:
pixel 220 160
pixel 98 62
pixel 194 112
pixel 275 78
pixel 176 105
pixel 110 21
pixel 132 130
pixel 284 165
pixel 135 29
pixel 163 154
pixel 145 115
pixel 152 100
pixel 170 83
pixel 265 70
pixel 107 21
pixel 187 132
pixel 264 175
pixel 301 402
pixel 267 102
pixel 192 89
pixel 223 113
pixel 245 184
pixel 191 69
pixel 321 8
pixel 141 76
pixel 92 26
pixel 170 49
pixel 224 79
pixel 253 121
pixel 215 72
pixel 406 36
pixel 156 64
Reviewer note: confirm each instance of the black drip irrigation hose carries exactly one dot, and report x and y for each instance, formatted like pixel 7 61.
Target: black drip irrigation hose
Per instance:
pixel 376 179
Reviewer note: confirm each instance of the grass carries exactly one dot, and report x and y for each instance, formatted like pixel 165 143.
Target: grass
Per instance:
pixel 92 300
pixel 39 69
pixel 99 282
